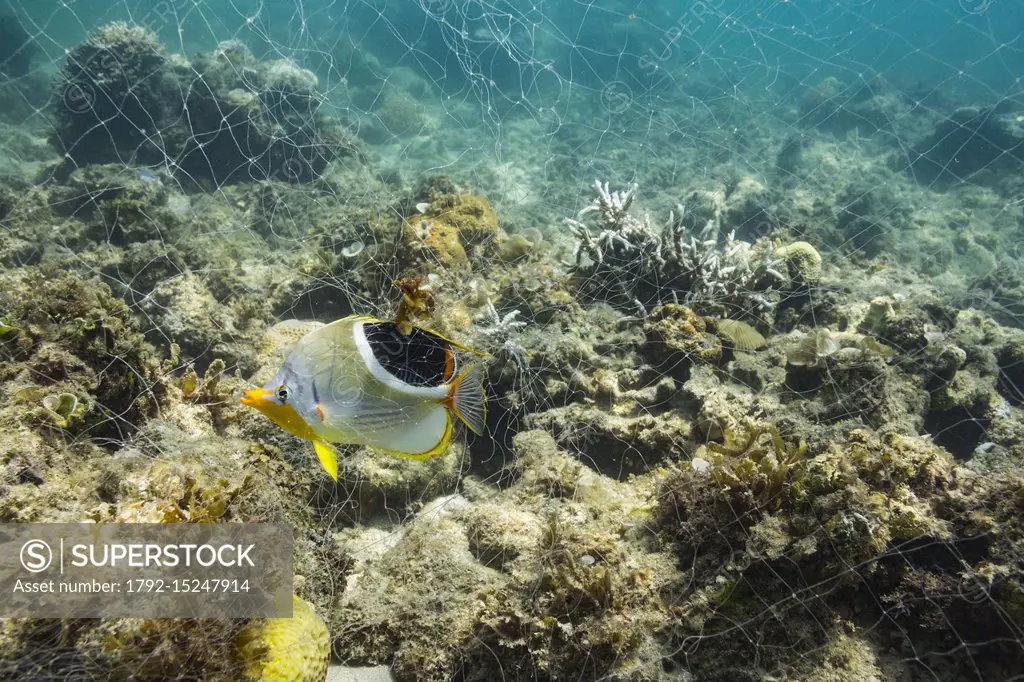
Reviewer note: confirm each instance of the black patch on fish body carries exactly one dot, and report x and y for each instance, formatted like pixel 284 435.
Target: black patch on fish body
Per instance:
pixel 418 358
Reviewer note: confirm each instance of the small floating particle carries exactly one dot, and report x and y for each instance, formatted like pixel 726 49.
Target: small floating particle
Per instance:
pixel 433 283
pixel 353 249
pixel 700 465
pixel 147 177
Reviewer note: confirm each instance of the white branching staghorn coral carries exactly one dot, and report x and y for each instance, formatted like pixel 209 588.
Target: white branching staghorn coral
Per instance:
pixel 621 233
pixel 501 334
pixel 630 262
pixel 495 326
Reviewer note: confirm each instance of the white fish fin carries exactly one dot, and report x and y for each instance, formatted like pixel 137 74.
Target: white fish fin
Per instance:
pixel 328 456
pixel 365 412
pixel 366 420
pixel 329 358
pixel 419 438
pixel 353 317
pixel 441 446
pixel 468 400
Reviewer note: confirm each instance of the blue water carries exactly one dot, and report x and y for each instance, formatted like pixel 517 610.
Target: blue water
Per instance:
pixel 972 48
pixel 546 97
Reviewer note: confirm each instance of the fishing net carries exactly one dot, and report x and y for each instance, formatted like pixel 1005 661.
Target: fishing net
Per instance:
pixel 748 275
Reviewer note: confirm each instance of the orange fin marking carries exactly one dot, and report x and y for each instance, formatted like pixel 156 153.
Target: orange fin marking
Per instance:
pixel 449 363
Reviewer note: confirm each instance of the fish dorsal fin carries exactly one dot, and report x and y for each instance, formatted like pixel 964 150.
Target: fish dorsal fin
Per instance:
pixel 352 318
pixel 458 345
pixel 369 319
pixel 468 400
pixel 417 358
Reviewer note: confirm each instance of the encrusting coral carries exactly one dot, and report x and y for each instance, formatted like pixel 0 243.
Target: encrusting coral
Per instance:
pixel 96 427
pixel 119 649
pixel 678 337
pixel 78 356
pixel 449 232
pixel 292 649
pixel 859 515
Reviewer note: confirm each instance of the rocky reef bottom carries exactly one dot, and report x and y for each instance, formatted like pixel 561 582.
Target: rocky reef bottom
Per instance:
pixel 834 496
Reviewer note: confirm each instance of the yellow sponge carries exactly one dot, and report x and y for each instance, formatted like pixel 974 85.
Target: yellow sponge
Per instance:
pixel 295 649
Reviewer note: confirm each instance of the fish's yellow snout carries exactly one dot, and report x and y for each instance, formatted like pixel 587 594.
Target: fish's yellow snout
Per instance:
pixel 284 416
pixel 255 397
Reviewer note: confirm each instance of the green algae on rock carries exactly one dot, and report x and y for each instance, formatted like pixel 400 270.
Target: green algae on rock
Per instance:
pixel 76 339
pixel 677 337
pixel 576 595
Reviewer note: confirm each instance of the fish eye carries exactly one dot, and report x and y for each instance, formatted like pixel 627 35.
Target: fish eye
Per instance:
pixel 282 393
